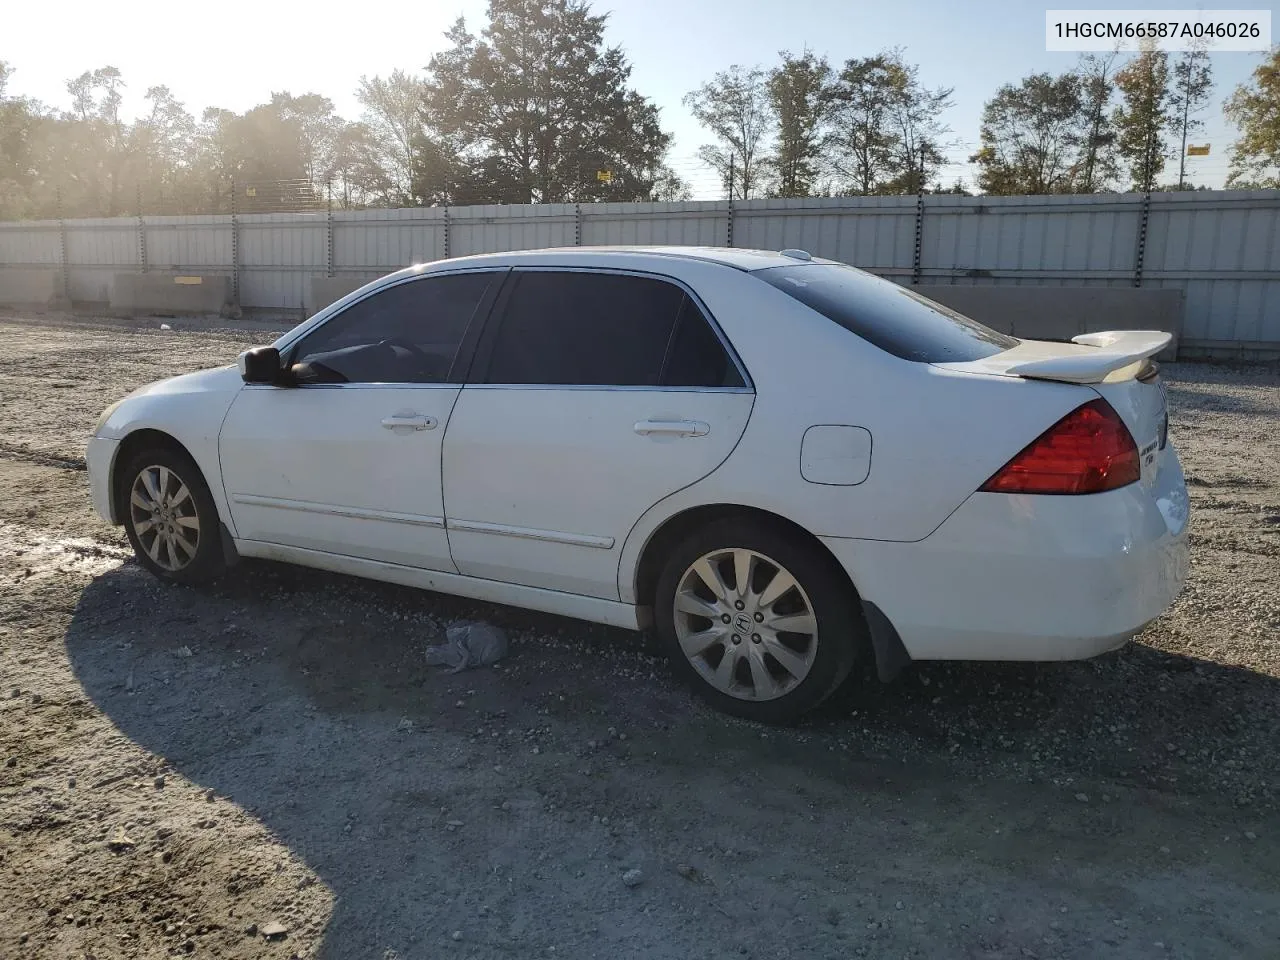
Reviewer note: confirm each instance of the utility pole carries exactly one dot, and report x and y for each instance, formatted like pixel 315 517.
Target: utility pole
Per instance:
pixel 731 156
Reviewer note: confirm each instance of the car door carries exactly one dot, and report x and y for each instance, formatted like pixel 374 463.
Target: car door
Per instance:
pixel 348 461
pixel 594 395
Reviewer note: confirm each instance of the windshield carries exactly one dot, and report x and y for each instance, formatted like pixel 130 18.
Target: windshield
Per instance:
pixel 894 318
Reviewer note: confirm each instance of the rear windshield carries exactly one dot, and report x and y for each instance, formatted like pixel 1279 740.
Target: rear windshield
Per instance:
pixel 892 317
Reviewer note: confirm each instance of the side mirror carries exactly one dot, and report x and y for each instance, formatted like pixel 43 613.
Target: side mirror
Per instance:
pixel 261 365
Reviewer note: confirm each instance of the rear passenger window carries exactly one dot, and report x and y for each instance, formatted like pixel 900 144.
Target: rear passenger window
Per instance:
pixel 896 319
pixel 697 358
pixel 592 329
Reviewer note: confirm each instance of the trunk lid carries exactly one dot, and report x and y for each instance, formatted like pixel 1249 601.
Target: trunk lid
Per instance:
pixel 1116 365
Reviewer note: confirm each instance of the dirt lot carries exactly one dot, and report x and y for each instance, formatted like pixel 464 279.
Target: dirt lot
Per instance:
pixel 180 770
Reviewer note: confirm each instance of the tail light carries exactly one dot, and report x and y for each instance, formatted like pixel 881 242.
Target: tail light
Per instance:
pixel 1088 451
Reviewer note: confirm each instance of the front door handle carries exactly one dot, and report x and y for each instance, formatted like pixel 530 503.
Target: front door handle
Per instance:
pixel 417 423
pixel 672 428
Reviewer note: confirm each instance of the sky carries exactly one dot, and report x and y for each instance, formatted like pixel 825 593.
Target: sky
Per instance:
pixel 234 53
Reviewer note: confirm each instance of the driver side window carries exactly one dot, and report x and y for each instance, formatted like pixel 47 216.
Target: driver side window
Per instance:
pixel 408 333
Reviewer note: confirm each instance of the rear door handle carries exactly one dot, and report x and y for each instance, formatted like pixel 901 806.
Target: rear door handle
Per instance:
pixel 672 428
pixel 417 423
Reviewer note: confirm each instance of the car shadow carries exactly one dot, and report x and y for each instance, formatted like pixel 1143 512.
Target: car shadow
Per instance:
pixel 504 803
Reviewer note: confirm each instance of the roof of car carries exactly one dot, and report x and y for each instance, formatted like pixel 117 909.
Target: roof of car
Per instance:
pixel 736 257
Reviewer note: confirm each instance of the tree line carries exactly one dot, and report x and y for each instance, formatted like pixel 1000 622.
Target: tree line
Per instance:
pixel 1062 134
pixel 536 107
pixel 868 126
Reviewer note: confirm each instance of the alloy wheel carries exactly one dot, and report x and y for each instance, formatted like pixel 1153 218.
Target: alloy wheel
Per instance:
pixel 745 624
pixel 164 517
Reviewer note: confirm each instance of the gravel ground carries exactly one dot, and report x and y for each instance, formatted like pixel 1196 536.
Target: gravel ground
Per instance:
pixel 269 769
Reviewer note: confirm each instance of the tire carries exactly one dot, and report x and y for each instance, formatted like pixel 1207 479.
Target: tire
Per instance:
pixel 178 537
pixel 813 663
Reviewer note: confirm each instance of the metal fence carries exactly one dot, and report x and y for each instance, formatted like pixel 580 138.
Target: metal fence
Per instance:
pixel 1220 248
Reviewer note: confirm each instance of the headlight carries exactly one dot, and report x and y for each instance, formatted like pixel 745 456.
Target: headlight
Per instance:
pixel 106 415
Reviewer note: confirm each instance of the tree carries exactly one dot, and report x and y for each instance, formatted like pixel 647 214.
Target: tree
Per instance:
pixel 670 186
pixel 19 121
pixel 161 150
pixel 214 164
pixel 886 128
pixel 1031 136
pixel 1097 85
pixel 914 120
pixel 359 172
pixel 311 119
pixel 289 138
pixel 800 97
pixel 1255 109
pixel 537 104
pixel 95 149
pixel 1142 118
pixel 1189 93
pixel 734 106
pixel 267 144
pixel 860 146
pixel 394 126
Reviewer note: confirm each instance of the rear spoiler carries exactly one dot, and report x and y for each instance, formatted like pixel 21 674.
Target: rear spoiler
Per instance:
pixel 1116 349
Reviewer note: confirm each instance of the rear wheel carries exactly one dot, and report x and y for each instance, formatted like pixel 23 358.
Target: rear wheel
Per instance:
pixel 169 516
pixel 758 621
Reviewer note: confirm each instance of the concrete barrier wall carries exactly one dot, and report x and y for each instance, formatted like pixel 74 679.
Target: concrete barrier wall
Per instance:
pixel 26 287
pixel 1060 313
pixel 165 293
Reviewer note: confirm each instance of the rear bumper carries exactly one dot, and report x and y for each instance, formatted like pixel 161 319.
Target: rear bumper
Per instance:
pixel 98 458
pixel 1017 577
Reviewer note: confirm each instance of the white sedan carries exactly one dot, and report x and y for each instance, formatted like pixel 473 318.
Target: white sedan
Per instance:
pixel 783 463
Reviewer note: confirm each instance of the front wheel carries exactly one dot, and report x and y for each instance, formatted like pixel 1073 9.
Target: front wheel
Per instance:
pixel 758 621
pixel 169 516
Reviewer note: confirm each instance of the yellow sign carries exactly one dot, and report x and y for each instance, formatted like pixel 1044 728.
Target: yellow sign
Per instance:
pixel 189 281
pixel 1197 151
pixel 250 191
pixel 604 176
